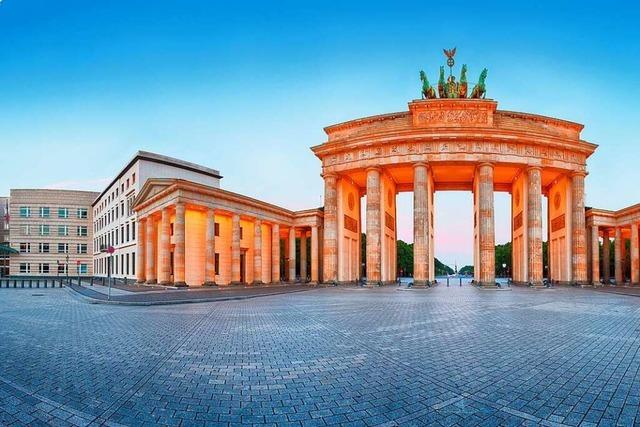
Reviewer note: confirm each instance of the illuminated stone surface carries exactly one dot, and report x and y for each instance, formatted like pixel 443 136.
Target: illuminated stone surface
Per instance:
pixel 328 356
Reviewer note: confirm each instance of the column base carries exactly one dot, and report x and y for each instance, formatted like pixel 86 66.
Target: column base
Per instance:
pixel 151 282
pixel 582 284
pixel 257 283
pixel 491 286
pixel 236 284
pixel 140 281
pixel 164 283
pixel 209 284
pixel 180 285
pixel 372 284
pixel 421 284
pixel 536 285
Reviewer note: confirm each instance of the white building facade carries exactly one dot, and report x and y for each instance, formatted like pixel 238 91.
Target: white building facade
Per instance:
pixel 114 221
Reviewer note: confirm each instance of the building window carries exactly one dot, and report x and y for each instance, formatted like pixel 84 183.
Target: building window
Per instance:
pixel 63 230
pixel 133 263
pixel 82 248
pixel 43 248
pixel 216 229
pixel 122 233
pixel 241 233
pixel 82 268
pixel 26 230
pixel 44 230
pixel 43 268
pixel 62 268
pixel 25 248
pixel 63 248
pixel 122 208
pixel 25 212
pixel 82 230
pixel 217 263
pixel 133 178
pixel 45 212
pixel 133 231
pixel 25 267
pixel 83 213
pixel 128 232
pixel 63 212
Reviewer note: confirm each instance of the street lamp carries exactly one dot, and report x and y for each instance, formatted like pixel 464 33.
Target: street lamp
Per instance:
pixel 504 269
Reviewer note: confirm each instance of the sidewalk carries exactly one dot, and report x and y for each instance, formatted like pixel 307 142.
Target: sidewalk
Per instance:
pixel 98 294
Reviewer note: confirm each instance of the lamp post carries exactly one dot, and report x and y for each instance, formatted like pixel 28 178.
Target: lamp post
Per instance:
pixel 504 269
pixel 67 267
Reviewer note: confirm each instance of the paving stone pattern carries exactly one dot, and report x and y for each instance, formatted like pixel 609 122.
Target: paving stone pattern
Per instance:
pixel 336 356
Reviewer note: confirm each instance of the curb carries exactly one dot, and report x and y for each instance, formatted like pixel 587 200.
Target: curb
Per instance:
pixel 92 300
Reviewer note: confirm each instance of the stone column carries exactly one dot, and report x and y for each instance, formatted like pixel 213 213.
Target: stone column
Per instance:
pixel 314 254
pixel 578 230
pixel 606 257
pixel 275 253
pixel 235 249
pixel 618 256
pixel 374 249
pixel 150 251
pixel 164 248
pixel 292 254
pixel 210 250
pixel 140 254
pixel 635 255
pixel 534 226
pixel 330 241
pixel 486 229
pixel 420 225
pixel 303 256
pixel 257 252
pixel 595 256
pixel 179 233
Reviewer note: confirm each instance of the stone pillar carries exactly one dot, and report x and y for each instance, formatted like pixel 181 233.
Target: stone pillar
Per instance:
pixel 292 254
pixel 235 249
pixel 314 254
pixel 303 256
pixel 618 256
pixel 623 258
pixel 179 233
pixel 635 256
pixel 595 256
pixel 374 250
pixel 140 254
pixel 150 251
pixel 275 253
pixel 257 252
pixel 578 230
pixel 534 226
pixel 606 257
pixel 210 250
pixel 330 241
pixel 164 248
pixel 486 224
pixel 420 225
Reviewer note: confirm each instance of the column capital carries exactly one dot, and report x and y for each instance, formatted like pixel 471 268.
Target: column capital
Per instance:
pixel 416 164
pixel 577 173
pixel 485 164
pixel 373 168
pixel 534 167
pixel 329 175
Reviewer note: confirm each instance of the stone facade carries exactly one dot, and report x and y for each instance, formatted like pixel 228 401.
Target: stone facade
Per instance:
pixel 202 235
pixel 459 144
pixel 623 226
pixel 114 218
pixel 52 231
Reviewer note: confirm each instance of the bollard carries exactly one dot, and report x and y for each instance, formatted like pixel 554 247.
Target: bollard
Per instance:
pixel 38 283
pixel 447 281
pixel 45 283
pixel 15 283
pixel 22 283
pixel 91 281
pixel 125 281
pixel 460 281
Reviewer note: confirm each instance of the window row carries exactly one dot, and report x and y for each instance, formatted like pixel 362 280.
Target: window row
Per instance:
pixel 45 248
pixel 63 230
pixel 121 264
pixel 45 212
pixel 118 236
pixel 114 193
pixel 47 268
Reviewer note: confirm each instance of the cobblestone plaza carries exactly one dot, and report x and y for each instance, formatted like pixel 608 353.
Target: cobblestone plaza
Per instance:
pixel 347 356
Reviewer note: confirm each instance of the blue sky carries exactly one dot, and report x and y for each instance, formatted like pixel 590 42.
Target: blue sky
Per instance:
pixel 247 87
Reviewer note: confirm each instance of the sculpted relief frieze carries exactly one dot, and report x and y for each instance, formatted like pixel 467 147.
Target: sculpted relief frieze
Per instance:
pixel 451 117
pixel 446 149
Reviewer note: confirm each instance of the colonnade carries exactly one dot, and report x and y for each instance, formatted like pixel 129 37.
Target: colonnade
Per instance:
pixel 568 215
pixel 601 266
pixel 163 239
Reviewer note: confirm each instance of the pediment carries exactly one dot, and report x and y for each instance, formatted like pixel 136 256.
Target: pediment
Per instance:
pixel 152 187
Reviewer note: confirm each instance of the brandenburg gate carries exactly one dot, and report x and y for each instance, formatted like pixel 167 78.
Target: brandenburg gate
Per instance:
pixel 455 143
